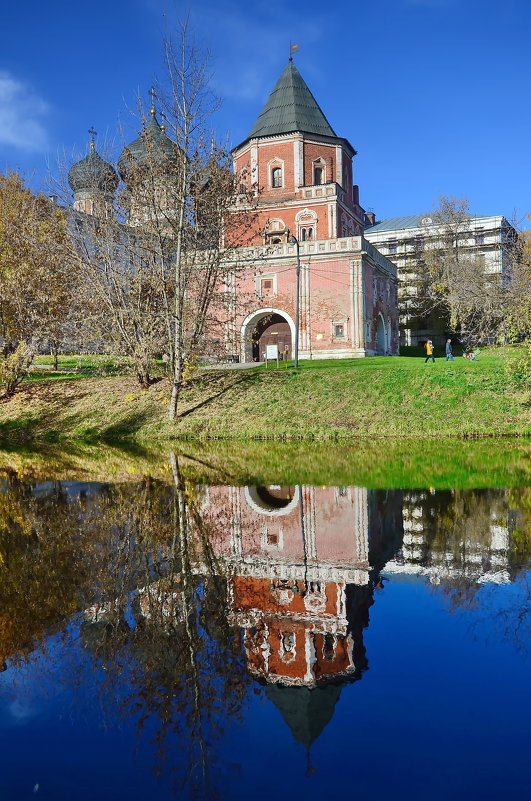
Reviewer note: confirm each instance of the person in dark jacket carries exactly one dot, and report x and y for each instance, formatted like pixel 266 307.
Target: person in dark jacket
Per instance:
pixel 449 354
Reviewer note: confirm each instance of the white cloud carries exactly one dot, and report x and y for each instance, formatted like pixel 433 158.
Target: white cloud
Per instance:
pixel 21 113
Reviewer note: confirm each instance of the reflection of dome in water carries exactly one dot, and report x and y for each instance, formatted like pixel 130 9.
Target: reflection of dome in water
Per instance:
pixel 272 500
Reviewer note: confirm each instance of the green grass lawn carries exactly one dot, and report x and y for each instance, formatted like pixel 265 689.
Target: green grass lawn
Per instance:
pixel 491 357
pixel 323 400
pixel 73 361
pixel 378 396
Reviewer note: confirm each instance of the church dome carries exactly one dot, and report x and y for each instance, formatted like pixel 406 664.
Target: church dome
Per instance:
pixel 153 144
pixel 92 172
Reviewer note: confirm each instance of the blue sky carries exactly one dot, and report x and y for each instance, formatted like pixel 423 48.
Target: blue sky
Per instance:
pixel 434 94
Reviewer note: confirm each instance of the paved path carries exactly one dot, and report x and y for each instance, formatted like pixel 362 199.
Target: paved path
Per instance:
pixel 232 366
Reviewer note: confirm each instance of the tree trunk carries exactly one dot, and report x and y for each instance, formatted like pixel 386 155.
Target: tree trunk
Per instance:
pixel 143 377
pixel 174 399
pixel 55 352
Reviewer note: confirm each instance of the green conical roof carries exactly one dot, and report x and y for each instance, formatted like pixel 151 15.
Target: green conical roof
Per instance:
pixel 291 107
pixel 305 710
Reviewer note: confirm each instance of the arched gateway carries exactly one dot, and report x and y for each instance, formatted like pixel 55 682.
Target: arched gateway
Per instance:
pixel 381 337
pixel 266 327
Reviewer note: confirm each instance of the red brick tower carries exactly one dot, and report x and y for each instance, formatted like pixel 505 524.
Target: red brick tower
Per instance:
pixel 299 173
pixel 298 168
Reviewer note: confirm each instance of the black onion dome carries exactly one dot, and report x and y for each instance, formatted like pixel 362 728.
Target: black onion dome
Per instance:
pixel 93 172
pixel 152 144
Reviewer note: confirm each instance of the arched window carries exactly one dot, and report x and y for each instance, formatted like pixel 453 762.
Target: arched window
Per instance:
pixel 319 171
pixel 276 177
pixel 306 225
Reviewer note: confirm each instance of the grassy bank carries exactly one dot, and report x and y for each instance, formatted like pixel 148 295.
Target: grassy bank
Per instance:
pixel 393 463
pixel 378 397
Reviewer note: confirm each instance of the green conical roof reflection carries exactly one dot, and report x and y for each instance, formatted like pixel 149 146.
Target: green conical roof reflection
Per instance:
pixel 305 710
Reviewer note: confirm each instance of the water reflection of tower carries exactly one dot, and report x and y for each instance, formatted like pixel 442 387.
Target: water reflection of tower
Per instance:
pixel 300 589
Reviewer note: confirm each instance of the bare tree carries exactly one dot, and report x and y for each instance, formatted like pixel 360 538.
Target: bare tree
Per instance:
pixel 454 281
pixel 160 270
pixel 199 200
pixel 122 291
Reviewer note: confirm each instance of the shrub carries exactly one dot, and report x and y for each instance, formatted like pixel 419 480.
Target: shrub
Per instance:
pixel 14 367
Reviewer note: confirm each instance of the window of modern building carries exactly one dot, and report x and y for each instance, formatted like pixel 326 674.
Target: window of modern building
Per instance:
pixel 276 177
pixel 479 236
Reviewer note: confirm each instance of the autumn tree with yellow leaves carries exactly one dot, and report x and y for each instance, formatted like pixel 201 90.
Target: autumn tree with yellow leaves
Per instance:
pixel 37 282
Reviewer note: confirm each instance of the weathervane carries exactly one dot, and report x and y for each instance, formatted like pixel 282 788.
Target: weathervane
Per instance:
pixel 293 48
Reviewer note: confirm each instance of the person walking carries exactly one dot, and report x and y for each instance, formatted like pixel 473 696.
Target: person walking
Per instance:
pixel 429 351
pixel 449 354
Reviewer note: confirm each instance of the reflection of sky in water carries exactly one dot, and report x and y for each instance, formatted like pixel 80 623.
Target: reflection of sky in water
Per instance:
pixel 439 712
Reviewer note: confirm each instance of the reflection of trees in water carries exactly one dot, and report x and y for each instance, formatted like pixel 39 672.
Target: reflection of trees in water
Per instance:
pixel 126 554
pixel 183 663
pixel 49 555
pixel 64 547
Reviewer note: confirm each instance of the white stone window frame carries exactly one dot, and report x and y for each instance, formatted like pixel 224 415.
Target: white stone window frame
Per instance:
pixel 266 277
pixel 342 493
pixel 275 225
pixel 311 222
pixel 275 229
pixel 342 321
pixel 287 656
pixel 275 164
pixel 319 163
pixel 268 546
pixel 327 634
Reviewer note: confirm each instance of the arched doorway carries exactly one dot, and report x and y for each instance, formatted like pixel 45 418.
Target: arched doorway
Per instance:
pixel 273 501
pixel 266 327
pixel 271 330
pixel 381 337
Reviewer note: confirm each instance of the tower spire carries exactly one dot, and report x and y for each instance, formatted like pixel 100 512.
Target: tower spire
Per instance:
pixel 152 93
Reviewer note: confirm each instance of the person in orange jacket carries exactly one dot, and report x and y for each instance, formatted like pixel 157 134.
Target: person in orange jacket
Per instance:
pixel 429 351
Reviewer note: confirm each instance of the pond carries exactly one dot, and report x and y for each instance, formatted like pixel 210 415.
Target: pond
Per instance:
pixel 163 637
